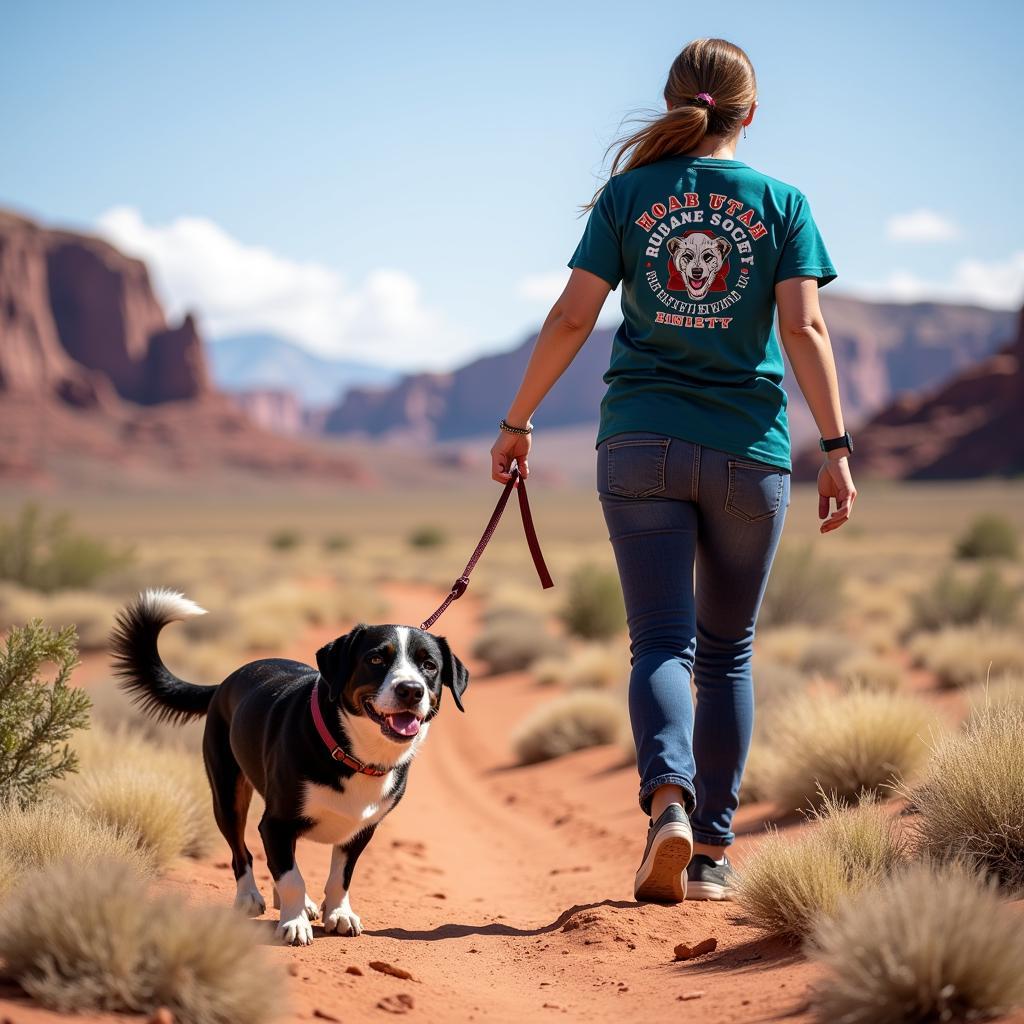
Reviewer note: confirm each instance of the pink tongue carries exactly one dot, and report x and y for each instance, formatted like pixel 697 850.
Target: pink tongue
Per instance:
pixel 404 723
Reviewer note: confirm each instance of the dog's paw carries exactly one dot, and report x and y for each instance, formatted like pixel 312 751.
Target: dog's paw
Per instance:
pixel 296 932
pixel 312 910
pixel 250 903
pixel 342 922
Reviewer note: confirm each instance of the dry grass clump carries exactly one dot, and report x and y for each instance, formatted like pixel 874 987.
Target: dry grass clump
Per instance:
pixel 574 721
pixel 1005 688
pixel 801 589
pixel 934 943
pixel 823 655
pixel 159 791
pixel 872 672
pixel 846 744
pixel 956 601
pixel 91 614
pixel 51 831
pixel 964 655
pixel 784 645
pixel 590 667
pixel 593 608
pixel 87 937
pixel 970 802
pixel 514 643
pixel 790 881
pixel 988 536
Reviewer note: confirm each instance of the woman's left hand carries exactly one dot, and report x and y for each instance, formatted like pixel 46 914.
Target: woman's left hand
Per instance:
pixel 505 449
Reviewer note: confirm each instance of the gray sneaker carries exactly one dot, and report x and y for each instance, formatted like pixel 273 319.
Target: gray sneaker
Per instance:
pixel 707 880
pixel 661 877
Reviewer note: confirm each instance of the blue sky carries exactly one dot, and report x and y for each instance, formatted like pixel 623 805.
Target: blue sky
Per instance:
pixel 400 182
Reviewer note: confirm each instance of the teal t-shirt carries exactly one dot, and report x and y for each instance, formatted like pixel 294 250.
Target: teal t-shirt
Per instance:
pixel 699 245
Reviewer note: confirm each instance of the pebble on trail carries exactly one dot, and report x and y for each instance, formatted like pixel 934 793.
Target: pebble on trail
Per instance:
pixel 686 952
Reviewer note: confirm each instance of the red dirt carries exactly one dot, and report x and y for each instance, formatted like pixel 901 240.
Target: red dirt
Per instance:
pixel 506 892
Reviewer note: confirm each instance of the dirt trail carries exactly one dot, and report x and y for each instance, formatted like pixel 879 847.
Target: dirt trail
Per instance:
pixel 506 891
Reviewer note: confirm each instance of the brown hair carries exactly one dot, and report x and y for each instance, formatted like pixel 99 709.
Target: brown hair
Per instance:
pixel 706 67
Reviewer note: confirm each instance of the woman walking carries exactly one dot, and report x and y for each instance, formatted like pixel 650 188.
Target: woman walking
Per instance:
pixel 693 453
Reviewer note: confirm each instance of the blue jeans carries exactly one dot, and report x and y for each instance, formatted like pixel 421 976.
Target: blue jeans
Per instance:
pixel 671 506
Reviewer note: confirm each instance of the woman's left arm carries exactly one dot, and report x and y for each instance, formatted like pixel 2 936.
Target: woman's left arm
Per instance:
pixel 566 328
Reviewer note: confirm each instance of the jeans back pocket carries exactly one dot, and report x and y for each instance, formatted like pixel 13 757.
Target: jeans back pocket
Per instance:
pixel 755 490
pixel 636 468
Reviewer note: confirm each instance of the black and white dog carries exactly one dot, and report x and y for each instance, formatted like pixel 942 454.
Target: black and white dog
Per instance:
pixel 329 750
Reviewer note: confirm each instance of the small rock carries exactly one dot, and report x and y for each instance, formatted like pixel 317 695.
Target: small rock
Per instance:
pixel 438 896
pixel 162 1016
pixel 324 1015
pixel 352 969
pixel 685 952
pixel 687 996
pixel 402 1003
pixel 293 970
pixel 395 972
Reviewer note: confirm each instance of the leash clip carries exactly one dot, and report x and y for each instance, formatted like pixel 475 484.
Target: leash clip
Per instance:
pixel 459 587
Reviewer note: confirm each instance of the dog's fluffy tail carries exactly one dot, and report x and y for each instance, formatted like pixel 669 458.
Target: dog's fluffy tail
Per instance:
pixel 151 684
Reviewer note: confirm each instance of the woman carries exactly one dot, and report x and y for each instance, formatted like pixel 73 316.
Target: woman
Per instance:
pixel 693 448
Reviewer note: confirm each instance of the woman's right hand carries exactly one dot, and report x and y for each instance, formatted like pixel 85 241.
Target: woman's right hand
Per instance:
pixel 835 482
pixel 504 450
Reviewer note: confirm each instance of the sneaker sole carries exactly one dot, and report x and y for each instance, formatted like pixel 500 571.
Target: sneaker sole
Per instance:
pixel 662 877
pixel 707 891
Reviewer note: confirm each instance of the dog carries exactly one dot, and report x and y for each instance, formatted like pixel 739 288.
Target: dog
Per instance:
pixel 328 748
pixel 698 259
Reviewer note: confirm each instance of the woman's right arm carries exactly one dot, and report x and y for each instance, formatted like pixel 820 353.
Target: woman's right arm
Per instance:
pixel 807 344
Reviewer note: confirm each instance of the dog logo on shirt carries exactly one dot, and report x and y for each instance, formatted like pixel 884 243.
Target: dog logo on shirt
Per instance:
pixel 698 262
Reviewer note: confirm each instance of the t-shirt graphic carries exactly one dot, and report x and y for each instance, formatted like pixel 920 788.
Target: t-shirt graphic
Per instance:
pixel 699 245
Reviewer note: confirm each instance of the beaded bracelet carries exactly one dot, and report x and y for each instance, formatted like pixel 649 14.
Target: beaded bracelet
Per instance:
pixel 514 430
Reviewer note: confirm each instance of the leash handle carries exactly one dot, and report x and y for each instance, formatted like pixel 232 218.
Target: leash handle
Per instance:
pixel 517 483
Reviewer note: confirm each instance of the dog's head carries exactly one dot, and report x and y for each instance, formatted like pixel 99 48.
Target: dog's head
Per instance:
pixel 391 675
pixel 698 258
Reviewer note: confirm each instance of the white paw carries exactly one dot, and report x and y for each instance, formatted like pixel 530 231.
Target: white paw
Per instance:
pixel 250 903
pixel 312 910
pixel 342 922
pixel 296 932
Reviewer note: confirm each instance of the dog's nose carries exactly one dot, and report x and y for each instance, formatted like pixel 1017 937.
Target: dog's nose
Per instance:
pixel 410 693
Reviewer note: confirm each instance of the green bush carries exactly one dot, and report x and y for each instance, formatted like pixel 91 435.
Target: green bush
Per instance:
pixel 800 589
pixel 47 555
pixel 427 536
pixel 953 601
pixel 593 608
pixel 37 717
pixel 285 539
pixel 988 537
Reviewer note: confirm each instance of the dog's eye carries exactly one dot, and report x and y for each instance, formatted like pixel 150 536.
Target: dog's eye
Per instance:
pixel 428 666
pixel 376 659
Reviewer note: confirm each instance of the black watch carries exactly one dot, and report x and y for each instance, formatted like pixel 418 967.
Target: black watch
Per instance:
pixel 832 443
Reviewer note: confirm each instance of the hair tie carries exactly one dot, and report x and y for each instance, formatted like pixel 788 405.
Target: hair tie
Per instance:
pixel 707 100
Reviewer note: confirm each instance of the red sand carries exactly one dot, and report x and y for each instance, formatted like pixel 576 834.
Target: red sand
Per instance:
pixel 507 892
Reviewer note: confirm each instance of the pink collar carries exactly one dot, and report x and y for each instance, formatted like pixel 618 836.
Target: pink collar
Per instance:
pixel 336 752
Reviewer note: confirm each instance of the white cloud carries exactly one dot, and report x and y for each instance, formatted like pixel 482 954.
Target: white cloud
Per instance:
pixel 235 287
pixel 920 226
pixel 543 289
pixel 996 283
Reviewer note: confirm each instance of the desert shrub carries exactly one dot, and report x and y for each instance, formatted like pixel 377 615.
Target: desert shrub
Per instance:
pixel 800 589
pixel 590 667
pixel 91 614
pixel 1005 688
pixel 52 831
pixel 988 537
pixel 285 539
pixel 964 655
pixel 88 937
pixel 37 717
pixel 784 645
pixel 788 882
pixel 760 769
pixel 114 712
pixel 775 682
pixel 871 672
pixel 847 745
pixel 514 644
pixel 47 554
pixel 337 542
pixel 593 606
pixel 933 943
pixel 953 601
pixel 428 536
pixel 823 654
pixel 574 721
pixel 970 801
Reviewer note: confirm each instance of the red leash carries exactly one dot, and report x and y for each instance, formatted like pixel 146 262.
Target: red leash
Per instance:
pixel 460 585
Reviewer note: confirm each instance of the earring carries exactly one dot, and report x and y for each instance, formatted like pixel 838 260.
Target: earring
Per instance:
pixel 744 131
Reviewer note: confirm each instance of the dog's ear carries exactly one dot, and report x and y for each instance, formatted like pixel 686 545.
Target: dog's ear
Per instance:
pixel 724 246
pixel 672 244
pixel 454 674
pixel 335 660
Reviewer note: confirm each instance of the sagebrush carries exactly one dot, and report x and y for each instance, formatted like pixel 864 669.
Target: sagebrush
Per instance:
pixel 574 721
pixel 801 588
pixel 593 608
pixel 953 600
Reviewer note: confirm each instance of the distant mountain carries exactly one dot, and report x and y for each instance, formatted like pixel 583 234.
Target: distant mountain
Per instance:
pixel 882 349
pixel 263 362
pixel 972 425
